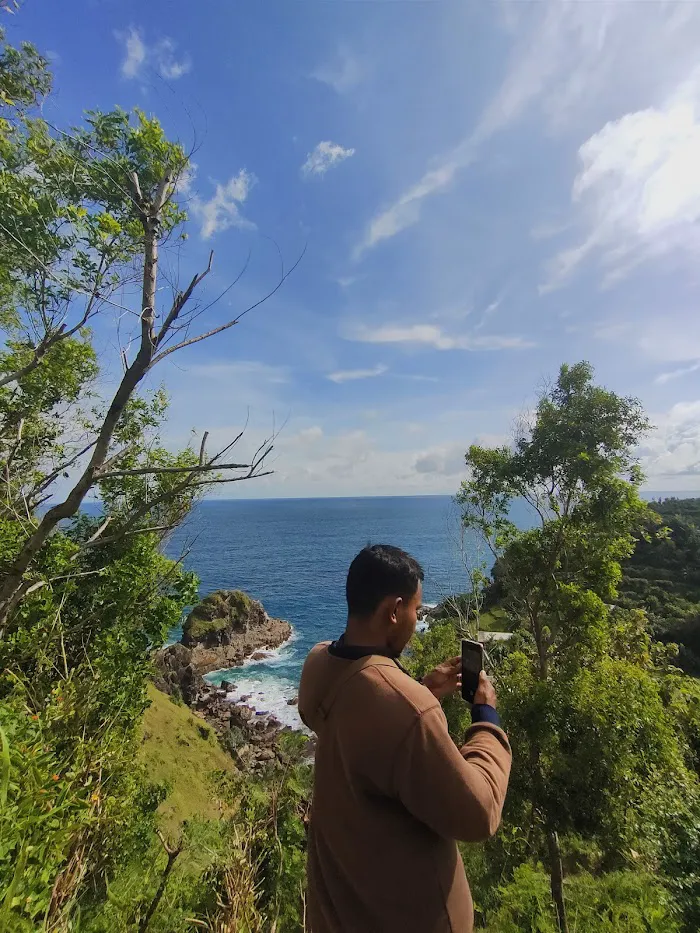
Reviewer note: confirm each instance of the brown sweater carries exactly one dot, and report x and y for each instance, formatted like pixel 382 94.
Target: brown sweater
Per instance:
pixel 392 793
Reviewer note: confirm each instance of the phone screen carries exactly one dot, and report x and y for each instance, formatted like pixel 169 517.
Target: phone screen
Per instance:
pixel 472 665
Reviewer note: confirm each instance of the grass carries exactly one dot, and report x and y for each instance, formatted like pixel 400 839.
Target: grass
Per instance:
pixel 183 750
pixel 216 612
pixel 495 620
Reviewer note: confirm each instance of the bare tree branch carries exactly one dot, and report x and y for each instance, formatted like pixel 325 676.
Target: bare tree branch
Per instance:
pixel 181 300
pixel 202 447
pixel 202 468
pixel 47 480
pixel 223 327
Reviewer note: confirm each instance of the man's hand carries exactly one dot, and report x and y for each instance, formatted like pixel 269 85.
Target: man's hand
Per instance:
pixel 485 692
pixel 445 679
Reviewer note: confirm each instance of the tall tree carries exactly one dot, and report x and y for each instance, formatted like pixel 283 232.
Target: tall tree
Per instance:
pixel 83 214
pixel 577 691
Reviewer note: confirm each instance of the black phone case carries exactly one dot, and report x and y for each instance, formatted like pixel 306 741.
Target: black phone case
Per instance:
pixel 469 688
pixel 470 682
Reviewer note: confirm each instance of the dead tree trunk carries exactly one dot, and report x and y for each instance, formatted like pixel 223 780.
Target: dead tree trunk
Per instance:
pixel 556 875
pixel 153 906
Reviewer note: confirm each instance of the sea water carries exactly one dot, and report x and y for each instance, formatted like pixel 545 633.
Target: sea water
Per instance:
pixel 293 555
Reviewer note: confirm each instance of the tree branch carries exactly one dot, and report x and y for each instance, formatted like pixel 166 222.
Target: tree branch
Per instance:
pixel 202 468
pixel 229 324
pixel 202 447
pixel 181 300
pixel 63 467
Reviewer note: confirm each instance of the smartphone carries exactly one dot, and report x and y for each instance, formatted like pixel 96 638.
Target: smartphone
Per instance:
pixel 472 666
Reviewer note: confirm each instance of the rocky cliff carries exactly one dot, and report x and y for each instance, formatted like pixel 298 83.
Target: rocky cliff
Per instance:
pixel 222 631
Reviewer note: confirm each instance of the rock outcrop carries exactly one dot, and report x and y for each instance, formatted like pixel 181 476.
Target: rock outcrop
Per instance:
pixel 176 675
pixel 227 627
pixel 221 632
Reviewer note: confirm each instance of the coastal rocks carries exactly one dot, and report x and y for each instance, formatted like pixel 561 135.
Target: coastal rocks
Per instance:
pixel 176 675
pixel 228 627
pixel 224 630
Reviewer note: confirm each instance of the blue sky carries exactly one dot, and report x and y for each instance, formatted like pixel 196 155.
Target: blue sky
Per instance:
pixel 485 191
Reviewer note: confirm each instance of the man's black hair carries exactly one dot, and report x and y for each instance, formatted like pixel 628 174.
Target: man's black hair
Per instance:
pixel 378 571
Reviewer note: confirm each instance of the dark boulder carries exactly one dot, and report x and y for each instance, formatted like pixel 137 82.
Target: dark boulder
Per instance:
pixel 176 675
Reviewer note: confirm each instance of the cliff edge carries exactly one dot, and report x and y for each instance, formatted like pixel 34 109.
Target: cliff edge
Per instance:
pixel 220 632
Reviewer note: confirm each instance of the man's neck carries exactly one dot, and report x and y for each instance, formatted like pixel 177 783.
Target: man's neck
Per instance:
pixel 365 634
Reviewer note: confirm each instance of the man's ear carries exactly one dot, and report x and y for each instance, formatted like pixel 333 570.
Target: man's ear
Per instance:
pixel 398 602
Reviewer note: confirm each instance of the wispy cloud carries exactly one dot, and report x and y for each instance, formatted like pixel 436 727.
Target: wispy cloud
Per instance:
pixel 161 56
pixel 343 73
pixel 222 210
pixel 677 373
pixel 638 188
pixel 433 336
pixel 349 375
pixel 406 210
pixel 346 281
pixel 325 156
pixel 565 57
pixel 134 53
pixel 169 66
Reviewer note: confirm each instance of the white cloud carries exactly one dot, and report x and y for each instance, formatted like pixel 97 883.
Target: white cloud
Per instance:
pixel 168 65
pixel 568 59
pixel 314 433
pixel 222 210
pixel 432 336
pixel 135 52
pixel 161 56
pixel 673 449
pixel 445 461
pixel 347 281
pixel 677 373
pixel 186 179
pixel 406 210
pixel 638 187
pixel 343 74
pixel 325 156
pixel 349 375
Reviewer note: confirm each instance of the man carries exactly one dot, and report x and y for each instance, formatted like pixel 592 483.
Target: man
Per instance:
pixel 392 791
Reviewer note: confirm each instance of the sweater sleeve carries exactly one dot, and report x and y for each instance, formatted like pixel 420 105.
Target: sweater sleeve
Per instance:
pixel 458 793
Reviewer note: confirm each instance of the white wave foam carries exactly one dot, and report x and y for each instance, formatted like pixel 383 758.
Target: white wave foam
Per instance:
pixel 272 657
pixel 268 695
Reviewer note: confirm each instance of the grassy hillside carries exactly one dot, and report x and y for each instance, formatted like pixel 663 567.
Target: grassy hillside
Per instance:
pixel 181 749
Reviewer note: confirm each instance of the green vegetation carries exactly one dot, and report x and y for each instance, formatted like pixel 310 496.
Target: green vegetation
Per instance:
pixel 662 577
pixel 604 791
pixel 181 752
pixel 85 598
pixel 119 812
pixel 216 612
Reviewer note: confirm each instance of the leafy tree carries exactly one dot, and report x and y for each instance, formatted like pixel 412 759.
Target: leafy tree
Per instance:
pixel 84 598
pixel 662 577
pixel 598 754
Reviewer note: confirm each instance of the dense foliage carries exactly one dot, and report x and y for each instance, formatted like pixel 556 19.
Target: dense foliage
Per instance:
pixel 602 825
pixel 86 596
pixel 662 577
pixel 604 789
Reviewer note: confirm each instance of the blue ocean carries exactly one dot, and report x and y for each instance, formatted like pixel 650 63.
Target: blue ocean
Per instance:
pixel 293 555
